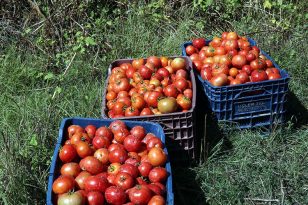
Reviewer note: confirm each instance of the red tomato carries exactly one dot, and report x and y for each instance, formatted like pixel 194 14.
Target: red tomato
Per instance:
pixel 171 91
pixel 219 68
pixel 118 155
pixel 70 169
pixel 74 129
pixel 219 80
pixel 157 200
pixel 138 131
pixel 121 85
pixel 184 102
pixel 100 142
pixel 220 50
pixel 80 137
pixel 158 174
pixel 190 50
pixel 233 72
pixel 95 183
pixel 140 194
pixel 251 56
pixel 255 48
pixel 206 74
pixel 80 179
pixel 102 155
pixel 156 189
pixel 273 76
pixel 198 43
pixel 132 161
pixel 154 142
pixel 198 64
pixel 258 64
pixel 91 165
pixel 137 63
pixel 124 180
pixel 126 100
pixel 153 98
pixel 120 135
pixel 116 125
pixel 104 132
pixel 181 84
pixel 164 61
pixel 239 61
pixel 90 129
pixel 132 143
pixel 145 168
pixel 163 72
pixel 194 57
pixel 119 108
pixel 231 44
pixel 232 36
pixel 114 168
pixel 131 112
pixel 235 82
pixel 146 111
pixel 155 61
pixel 247 69
pixel 148 137
pixel 115 195
pixel 115 146
pixel 130 169
pixel 188 93
pixel 258 75
pixel 67 153
pixel 63 184
pixel 272 70
pixel 157 157
pixel 181 74
pixel 83 149
pixel 145 72
pixel 177 64
pixel 95 198
pixel 242 77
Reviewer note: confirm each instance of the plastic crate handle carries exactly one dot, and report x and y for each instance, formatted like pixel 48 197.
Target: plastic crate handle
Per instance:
pixel 252 93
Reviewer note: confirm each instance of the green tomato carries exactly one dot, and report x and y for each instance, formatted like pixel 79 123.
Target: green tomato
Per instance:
pixel 167 105
pixel 74 198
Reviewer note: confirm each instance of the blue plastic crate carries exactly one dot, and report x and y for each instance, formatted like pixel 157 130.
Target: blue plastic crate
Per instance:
pixel 149 127
pixel 248 105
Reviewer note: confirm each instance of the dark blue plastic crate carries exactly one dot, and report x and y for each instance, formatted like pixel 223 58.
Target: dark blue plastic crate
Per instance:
pixel 248 105
pixel 149 127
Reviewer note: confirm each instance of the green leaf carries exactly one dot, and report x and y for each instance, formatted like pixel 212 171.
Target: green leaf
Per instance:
pixel 90 41
pixel 58 90
pixel 49 76
pixel 33 140
pixel 267 4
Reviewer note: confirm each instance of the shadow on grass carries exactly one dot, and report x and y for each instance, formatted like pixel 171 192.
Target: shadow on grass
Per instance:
pixel 187 189
pixel 296 111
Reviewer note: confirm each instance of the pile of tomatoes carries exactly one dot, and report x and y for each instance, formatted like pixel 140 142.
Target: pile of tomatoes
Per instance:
pixel 230 60
pixel 149 87
pixel 111 165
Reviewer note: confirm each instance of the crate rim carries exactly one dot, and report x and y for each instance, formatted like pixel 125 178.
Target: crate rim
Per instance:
pixel 51 172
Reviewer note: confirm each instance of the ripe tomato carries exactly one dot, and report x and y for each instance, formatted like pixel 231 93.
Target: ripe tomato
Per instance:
pixel 121 85
pixel 115 195
pixel 184 102
pixel 258 75
pixel 132 161
pixel 206 74
pixel 120 135
pixel 198 43
pixel 145 168
pixel 90 130
pixel 157 200
pixel 111 95
pixel 190 50
pixel 132 143
pixel 118 155
pixel 231 44
pixel 216 42
pixel 80 136
pixel 91 165
pixel 155 61
pixel 193 57
pixel 181 74
pixel 100 142
pixel 126 100
pixel 272 70
pixel 67 153
pixel 95 183
pixel 164 61
pixel 102 155
pixel 75 198
pixel 131 112
pixel 220 50
pixel 188 93
pixel 74 129
pixel 269 63
pixel 154 142
pixel 156 189
pixel 117 125
pixel 247 69
pixel 115 146
pixel 104 132
pixel 219 80
pixel 157 157
pixel 70 169
pixel 233 72
pixel 273 76
pixel 219 68
pixel 171 91
pixel 258 64
pixel 232 36
pixel 80 179
pixel 239 61
pixel 181 84
pixel 198 64
pixel 95 198
pixel 63 184
pixel 163 72
pixel 130 169
pixel 242 77
pixel 83 149
pixel 158 174
pixel 119 108
pixel 235 82
pixel 137 63
pixel 114 168
pixel 145 72
pixel 124 180
pixel 153 98
pixel 140 194
pixel 146 111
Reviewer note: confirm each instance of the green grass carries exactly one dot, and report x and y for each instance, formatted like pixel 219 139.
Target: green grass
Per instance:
pixel 241 167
